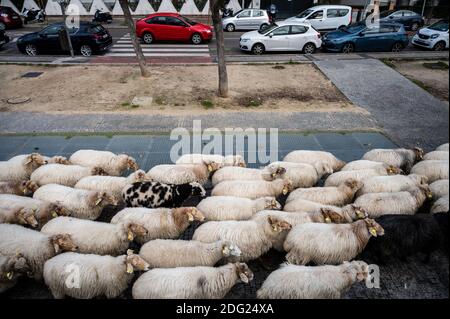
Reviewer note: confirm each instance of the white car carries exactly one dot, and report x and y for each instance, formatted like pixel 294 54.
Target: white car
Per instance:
pixel 326 17
pixel 434 37
pixel 247 19
pixel 283 36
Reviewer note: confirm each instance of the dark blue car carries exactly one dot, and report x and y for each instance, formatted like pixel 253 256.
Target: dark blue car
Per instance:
pixel 409 19
pixel 359 37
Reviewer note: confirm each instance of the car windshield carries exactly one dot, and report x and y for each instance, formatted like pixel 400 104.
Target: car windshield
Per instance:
pixel 353 28
pixel 384 14
pixel 440 26
pixel 188 21
pixel 235 14
pixel 304 14
pixel 268 29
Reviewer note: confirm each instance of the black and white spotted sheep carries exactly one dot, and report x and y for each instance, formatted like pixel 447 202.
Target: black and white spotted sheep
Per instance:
pixel 155 194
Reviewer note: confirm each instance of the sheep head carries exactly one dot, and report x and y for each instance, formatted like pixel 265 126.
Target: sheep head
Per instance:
pixel 359 212
pixel 287 186
pixel 132 164
pixel 393 170
pixel 353 184
pixel 139 176
pixel 230 249
pixel 59 160
pixel 323 168
pixel 27 216
pixel 135 263
pixel 14 266
pixel 273 172
pixel 331 216
pixel 373 227
pixel 359 268
pixel 193 214
pixel 63 242
pixel 58 210
pixel 104 199
pixel 135 230
pixel 426 190
pixel 244 273
pixel 28 187
pixel 271 203
pixel 35 160
pixel 212 166
pixel 98 171
pixel 419 153
pixel 278 225
pixel 197 189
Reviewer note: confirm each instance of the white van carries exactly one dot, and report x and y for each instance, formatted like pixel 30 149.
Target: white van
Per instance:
pixel 326 17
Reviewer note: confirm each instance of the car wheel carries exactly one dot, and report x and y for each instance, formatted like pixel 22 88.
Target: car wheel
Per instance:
pixel 440 46
pixel 415 26
pixel 309 48
pixel 397 47
pixel 147 38
pixel 230 27
pixel 258 49
pixel 196 38
pixel 348 48
pixel 31 50
pixel 86 50
pixel 263 26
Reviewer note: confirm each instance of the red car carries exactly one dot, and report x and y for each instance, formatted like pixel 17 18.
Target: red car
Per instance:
pixel 172 27
pixel 9 18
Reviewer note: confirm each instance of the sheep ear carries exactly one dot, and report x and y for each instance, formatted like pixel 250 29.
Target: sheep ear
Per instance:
pixel 56 247
pixel 130 268
pixel 243 278
pixel 190 217
pixel 373 231
pixel 29 160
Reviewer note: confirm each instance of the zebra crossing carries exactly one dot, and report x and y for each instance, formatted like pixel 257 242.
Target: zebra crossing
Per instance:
pixel 124 48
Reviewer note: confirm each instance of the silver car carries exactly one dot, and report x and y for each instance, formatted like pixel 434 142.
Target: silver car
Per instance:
pixel 247 19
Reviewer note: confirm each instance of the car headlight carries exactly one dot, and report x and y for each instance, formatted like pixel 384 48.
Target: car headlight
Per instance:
pixel 434 36
pixel 245 40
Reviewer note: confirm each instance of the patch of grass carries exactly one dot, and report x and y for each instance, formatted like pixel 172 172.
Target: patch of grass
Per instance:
pixel 125 104
pixel 421 84
pixel 207 104
pixel 389 63
pixel 250 101
pixel 159 100
pixel 440 65
pixel 134 106
pixel 279 67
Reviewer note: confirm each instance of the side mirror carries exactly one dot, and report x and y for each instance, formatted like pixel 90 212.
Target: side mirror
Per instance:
pixel 270 34
pixel 362 33
pixel 42 35
pixel 391 17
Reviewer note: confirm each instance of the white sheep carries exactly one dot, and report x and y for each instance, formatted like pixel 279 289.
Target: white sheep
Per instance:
pixel 441 205
pixel 93 237
pixel 111 184
pixel 437 155
pixel 348 212
pixel 111 163
pixel 235 208
pixel 361 176
pixel 313 157
pixel 253 237
pixel 21 216
pixel 57 160
pixel 160 223
pixel 34 246
pixel 228 160
pixel 98 275
pixel 67 175
pixel 365 164
pixel 79 202
pixel 401 157
pixel 329 243
pixel 22 188
pixel 308 282
pixel 337 196
pixel 300 174
pixel 11 267
pixel 20 167
pixel 404 203
pixel 253 189
pixel 439 188
pixel 182 173
pixel 392 184
pixel 169 253
pixel 43 211
pixel 443 147
pixel 190 282
pixel 232 173
pixel 432 169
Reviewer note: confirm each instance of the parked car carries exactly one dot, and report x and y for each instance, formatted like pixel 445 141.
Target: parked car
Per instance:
pixel 282 36
pixel 9 18
pixel 433 37
pixel 409 19
pixel 3 38
pixel 359 37
pixel 248 19
pixel 172 27
pixel 88 39
pixel 326 17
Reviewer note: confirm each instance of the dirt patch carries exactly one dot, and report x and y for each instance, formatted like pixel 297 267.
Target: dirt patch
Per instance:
pixel 105 89
pixel 430 75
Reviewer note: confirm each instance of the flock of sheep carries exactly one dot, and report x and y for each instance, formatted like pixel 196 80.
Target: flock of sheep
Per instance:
pixel 49 208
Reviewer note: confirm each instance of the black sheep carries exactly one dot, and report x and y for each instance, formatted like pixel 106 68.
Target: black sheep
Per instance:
pixel 155 194
pixel 405 235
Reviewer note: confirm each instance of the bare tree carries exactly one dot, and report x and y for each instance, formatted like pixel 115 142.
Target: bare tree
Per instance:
pixel 215 7
pixel 137 46
pixel 64 4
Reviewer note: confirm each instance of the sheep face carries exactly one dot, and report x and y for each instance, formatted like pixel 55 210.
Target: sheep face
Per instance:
pixel 63 242
pixel 244 273
pixel 135 263
pixel 131 163
pixel 16 265
pixel 193 214
pixel 353 184
pixel 28 187
pixel 287 187
pixel 359 212
pixel 278 225
pixel 358 268
pixel 271 203
pixel 419 153
pixel 139 176
pixel 104 199
pixel 229 249
pixel 197 189
pixel 331 216
pixel 60 160
pixel 374 228
pixel 98 171
pixel 57 210
pixel 35 160
pixel 27 217
pixel 134 230
pixel 393 170
pixel 426 190
pixel 273 172
pixel 212 166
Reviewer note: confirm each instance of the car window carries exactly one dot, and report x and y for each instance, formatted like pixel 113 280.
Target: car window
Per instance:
pixel 156 20
pixel 72 30
pixel 244 14
pixel 298 29
pixel 175 22
pixel 440 26
pixel 386 29
pixel 258 13
pixel 51 30
pixel 96 29
pixel 316 15
pixel 372 30
pixel 336 13
pixel 281 30
pixel 408 13
pixel 397 14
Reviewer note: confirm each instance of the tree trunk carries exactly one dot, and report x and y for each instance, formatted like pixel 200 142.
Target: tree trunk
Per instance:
pixel 215 6
pixel 132 29
pixel 69 40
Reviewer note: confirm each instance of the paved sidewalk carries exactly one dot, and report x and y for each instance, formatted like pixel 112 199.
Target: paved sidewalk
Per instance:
pixel 409 115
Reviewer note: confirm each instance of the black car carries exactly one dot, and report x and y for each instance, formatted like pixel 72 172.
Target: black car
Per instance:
pixel 3 38
pixel 410 20
pixel 87 39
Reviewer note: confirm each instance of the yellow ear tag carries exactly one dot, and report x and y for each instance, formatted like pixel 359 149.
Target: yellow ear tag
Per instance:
pixel 328 219
pixel 274 175
pixel 130 236
pixel 9 275
pixel 210 168
pixel 285 191
pixel 360 215
pixel 130 269
pixel 98 201
pixel 54 214
pixel 373 231
pixel 24 190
